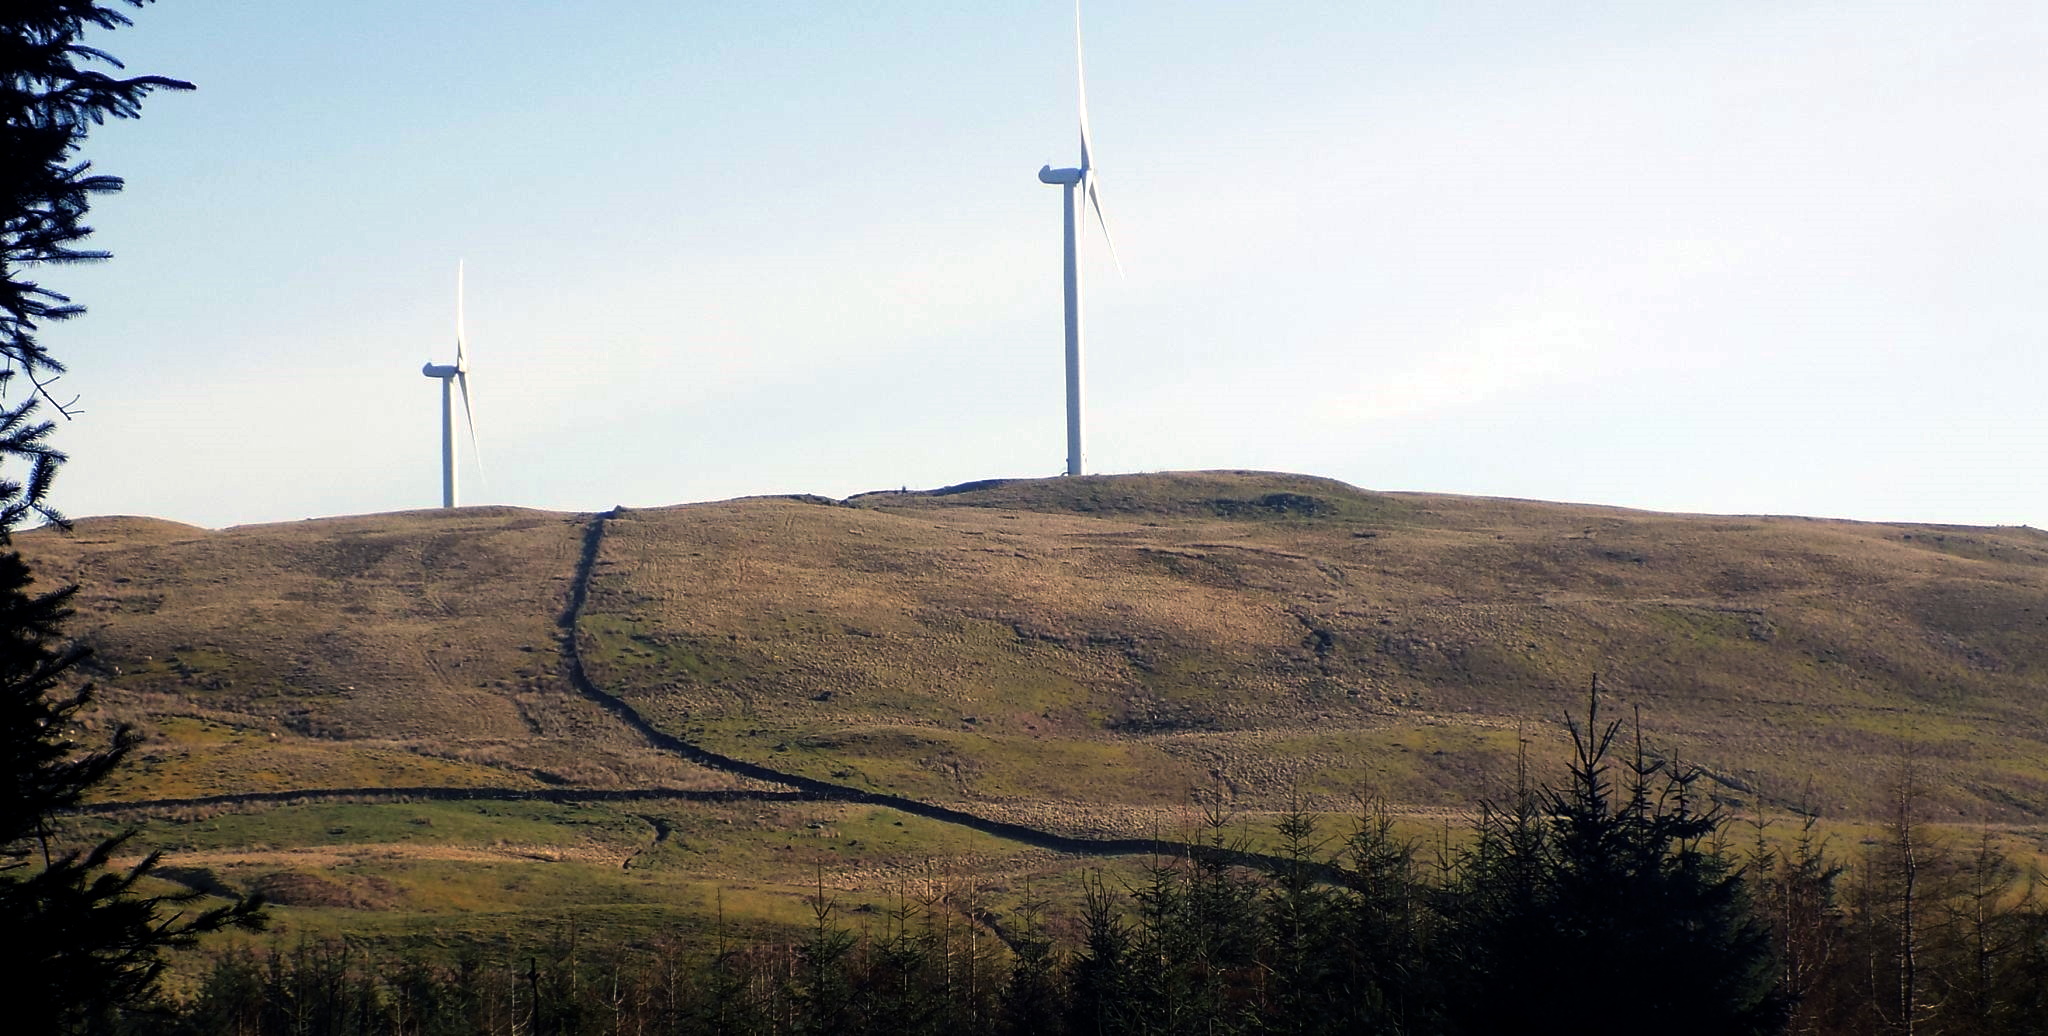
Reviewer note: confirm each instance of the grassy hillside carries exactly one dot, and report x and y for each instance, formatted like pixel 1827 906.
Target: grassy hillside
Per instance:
pixel 392 650
pixel 1081 655
pixel 1091 641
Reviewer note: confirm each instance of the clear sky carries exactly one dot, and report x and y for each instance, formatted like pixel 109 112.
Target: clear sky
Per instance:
pixel 1768 256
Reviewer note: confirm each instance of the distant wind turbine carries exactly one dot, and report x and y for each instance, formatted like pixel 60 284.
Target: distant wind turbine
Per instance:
pixel 451 375
pixel 1082 179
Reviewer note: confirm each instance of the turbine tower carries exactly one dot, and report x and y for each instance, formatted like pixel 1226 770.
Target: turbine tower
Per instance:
pixel 452 375
pixel 1079 179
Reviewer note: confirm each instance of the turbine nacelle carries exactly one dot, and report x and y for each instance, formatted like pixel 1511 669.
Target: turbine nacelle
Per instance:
pixel 454 377
pixel 1080 178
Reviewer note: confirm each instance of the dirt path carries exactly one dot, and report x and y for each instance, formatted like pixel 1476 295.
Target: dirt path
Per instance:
pixel 445 794
pixel 328 857
pixel 811 787
pixel 802 788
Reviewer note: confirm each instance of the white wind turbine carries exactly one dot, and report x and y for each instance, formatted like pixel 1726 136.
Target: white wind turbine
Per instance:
pixel 1082 179
pixel 452 375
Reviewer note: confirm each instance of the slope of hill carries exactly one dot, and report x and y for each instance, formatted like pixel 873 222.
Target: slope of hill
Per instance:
pixel 1073 652
pixel 1058 643
pixel 402 650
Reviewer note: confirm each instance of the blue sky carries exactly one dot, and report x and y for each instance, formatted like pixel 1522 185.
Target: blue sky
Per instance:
pixel 1741 257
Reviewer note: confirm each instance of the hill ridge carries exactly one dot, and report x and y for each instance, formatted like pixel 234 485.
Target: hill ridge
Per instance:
pixel 1049 652
pixel 805 788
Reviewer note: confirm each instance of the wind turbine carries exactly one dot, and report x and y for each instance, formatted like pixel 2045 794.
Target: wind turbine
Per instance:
pixel 452 375
pixel 1081 179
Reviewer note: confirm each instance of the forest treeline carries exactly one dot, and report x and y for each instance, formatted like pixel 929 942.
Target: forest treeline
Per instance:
pixel 1615 897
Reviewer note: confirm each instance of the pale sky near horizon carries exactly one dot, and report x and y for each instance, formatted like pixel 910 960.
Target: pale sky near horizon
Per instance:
pixel 1747 257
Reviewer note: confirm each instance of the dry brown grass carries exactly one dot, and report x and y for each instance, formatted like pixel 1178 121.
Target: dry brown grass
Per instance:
pixel 387 650
pixel 996 646
pixel 1113 642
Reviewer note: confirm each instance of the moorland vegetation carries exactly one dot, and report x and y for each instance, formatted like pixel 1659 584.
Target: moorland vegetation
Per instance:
pixel 720 713
pixel 1618 894
pixel 902 762
pixel 84 940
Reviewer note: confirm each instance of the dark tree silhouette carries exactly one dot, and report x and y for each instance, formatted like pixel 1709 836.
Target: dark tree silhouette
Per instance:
pixel 49 99
pixel 1101 976
pixel 1611 900
pixel 82 943
pixel 1032 997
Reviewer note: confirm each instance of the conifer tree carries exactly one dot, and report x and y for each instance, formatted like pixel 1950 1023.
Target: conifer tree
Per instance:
pixel 823 992
pixel 1622 904
pixel 1391 987
pixel 1101 976
pixel 1988 919
pixel 1032 997
pixel 1305 988
pixel 1795 894
pixel 83 943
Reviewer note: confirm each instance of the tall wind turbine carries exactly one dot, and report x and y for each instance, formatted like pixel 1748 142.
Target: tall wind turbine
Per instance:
pixel 452 375
pixel 1080 179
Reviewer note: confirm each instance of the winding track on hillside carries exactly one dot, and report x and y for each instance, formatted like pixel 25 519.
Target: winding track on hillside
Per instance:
pixel 804 789
pixel 443 793
pixel 814 789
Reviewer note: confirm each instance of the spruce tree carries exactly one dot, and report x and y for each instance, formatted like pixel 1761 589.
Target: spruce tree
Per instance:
pixel 1795 890
pixel 83 943
pixel 1619 903
pixel 1305 989
pixel 823 992
pixel 1103 975
pixel 1031 999
pixel 1385 933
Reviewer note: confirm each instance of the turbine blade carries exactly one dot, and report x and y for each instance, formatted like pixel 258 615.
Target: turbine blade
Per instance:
pixel 1087 147
pixel 1081 80
pixel 1095 199
pixel 461 362
pixel 469 418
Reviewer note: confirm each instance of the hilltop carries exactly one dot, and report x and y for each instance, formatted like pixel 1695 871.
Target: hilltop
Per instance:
pixel 1075 654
